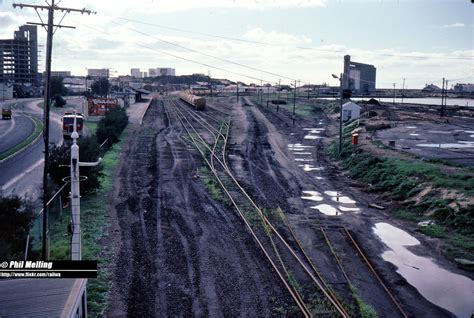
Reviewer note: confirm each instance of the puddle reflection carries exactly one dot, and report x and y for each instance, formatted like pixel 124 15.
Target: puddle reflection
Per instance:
pixel 326 209
pixel 312 195
pixel 445 289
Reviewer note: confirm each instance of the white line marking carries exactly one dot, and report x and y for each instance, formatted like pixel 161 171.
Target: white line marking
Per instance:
pixel 10 128
pixel 21 175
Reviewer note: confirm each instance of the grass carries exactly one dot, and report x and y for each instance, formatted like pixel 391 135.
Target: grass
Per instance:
pixel 36 132
pixel 212 186
pixel 92 126
pixel 366 310
pixel 94 220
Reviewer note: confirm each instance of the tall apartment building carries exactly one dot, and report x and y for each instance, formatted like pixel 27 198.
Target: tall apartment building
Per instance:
pixel 135 72
pixel 161 71
pixel 358 77
pixel 19 57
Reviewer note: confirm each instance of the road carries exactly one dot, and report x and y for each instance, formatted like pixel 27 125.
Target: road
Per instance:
pixel 14 131
pixel 22 174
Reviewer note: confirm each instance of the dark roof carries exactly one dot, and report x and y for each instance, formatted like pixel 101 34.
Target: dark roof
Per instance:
pixel 141 90
pixel 36 297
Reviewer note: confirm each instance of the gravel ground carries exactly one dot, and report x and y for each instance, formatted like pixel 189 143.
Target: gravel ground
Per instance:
pixel 178 251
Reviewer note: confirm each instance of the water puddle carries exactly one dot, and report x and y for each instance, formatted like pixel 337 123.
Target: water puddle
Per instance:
pixel 326 209
pixel 466 142
pixel 414 134
pixel 438 132
pixel 332 193
pixel 446 146
pixel 411 127
pixel 469 131
pixel 298 146
pixel 443 288
pixel 320 178
pixel 315 129
pixel 304 159
pixel 312 137
pixel 308 167
pixel 471 136
pixel 312 195
pixel 346 209
pixel 343 199
pixel 303 153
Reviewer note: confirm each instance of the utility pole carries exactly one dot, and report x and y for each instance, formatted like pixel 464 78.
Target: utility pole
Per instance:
pixel 294 104
pixel 278 95
pixel 403 89
pixel 261 92
pixel 393 93
pixel 47 96
pixel 268 94
pixel 309 87
pixel 237 92
pixel 341 79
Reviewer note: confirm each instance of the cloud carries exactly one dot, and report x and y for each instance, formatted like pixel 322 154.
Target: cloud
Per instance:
pixel 454 25
pixel 260 35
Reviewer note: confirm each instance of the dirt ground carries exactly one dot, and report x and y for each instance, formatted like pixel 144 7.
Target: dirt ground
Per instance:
pixel 181 253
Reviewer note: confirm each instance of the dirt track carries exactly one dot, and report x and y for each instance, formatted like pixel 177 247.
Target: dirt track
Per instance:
pixel 179 252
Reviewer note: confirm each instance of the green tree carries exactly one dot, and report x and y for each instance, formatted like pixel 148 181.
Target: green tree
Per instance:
pixel 89 151
pixel 16 218
pixel 101 87
pixel 111 126
pixel 57 86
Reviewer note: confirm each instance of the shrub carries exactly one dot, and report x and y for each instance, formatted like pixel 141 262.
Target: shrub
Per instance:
pixel 89 151
pixel 111 126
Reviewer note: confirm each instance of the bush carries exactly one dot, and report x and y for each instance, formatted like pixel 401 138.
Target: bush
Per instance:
pixel 16 218
pixel 89 151
pixel 111 126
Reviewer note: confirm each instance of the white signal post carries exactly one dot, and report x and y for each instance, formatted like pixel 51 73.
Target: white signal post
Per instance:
pixel 76 254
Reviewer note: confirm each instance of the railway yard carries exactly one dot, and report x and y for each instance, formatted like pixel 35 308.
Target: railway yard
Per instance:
pixel 235 210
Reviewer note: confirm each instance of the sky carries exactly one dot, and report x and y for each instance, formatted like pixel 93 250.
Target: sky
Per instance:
pixel 269 40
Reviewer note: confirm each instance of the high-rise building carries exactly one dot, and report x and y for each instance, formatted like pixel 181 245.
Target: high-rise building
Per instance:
pixel 358 77
pixel 19 57
pixel 166 71
pixel 135 72
pixel 98 72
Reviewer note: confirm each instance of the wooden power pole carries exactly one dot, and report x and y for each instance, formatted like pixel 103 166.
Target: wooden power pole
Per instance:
pixel 51 8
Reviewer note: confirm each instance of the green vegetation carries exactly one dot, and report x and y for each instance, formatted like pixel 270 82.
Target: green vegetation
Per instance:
pixel 92 126
pixel 16 218
pixel 424 190
pixel 366 310
pixel 37 131
pixel 209 181
pixel 111 126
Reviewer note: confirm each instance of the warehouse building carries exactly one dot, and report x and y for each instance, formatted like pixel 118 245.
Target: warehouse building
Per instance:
pixel 358 77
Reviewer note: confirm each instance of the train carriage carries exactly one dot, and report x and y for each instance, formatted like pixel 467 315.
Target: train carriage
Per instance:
pixel 196 101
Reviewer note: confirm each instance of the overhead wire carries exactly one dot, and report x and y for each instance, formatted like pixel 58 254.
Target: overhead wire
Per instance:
pixel 286 45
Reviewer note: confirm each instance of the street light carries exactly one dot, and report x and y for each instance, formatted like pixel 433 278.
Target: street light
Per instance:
pixel 340 114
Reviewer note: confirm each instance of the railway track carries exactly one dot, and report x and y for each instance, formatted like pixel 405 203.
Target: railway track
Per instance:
pixel 278 251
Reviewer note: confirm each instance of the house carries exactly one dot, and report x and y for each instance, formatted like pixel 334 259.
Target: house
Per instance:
pixel 350 111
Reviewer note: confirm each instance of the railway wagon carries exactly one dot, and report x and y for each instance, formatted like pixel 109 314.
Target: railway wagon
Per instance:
pixel 198 102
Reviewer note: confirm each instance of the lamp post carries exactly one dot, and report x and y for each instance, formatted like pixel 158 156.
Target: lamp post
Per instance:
pixel 340 113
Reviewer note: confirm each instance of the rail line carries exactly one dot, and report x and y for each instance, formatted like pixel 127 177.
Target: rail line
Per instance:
pixel 198 141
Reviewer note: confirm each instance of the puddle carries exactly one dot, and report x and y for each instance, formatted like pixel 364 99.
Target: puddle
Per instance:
pixel 326 209
pixel 346 209
pixel 343 199
pixel 443 288
pixel 469 131
pixel 312 195
pixel 466 142
pixel 446 145
pixel 411 127
pixel 471 136
pixel 312 137
pixel 292 146
pixel 304 159
pixel 332 193
pixel 414 134
pixel 319 178
pixel 315 129
pixel 438 132
pixel 308 167
pixel 303 153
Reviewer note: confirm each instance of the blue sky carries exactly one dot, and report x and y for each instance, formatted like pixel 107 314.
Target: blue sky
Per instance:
pixel 439 33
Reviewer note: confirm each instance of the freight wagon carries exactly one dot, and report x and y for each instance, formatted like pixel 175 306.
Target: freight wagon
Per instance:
pixel 198 102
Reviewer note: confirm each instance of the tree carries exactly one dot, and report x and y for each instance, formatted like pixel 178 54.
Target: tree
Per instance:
pixel 16 218
pixel 57 87
pixel 89 150
pixel 101 87
pixel 111 126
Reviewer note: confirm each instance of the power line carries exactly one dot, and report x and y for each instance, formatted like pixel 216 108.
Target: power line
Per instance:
pixel 286 45
pixel 206 54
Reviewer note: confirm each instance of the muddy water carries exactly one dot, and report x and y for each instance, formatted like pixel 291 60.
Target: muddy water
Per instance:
pixel 450 291
pixel 446 145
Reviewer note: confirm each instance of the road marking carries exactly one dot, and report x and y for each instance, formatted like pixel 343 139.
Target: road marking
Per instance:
pixel 11 127
pixel 21 175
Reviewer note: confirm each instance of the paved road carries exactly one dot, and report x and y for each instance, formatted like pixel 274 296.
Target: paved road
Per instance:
pixel 14 131
pixel 22 174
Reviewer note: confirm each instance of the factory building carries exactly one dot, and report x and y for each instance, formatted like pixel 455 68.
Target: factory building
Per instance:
pixel 98 72
pixel 19 57
pixel 135 72
pixel 358 77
